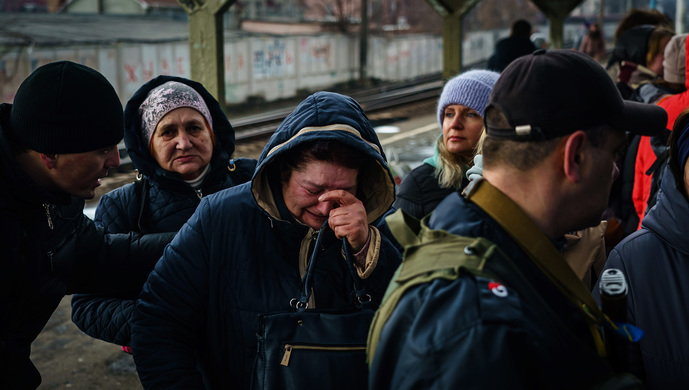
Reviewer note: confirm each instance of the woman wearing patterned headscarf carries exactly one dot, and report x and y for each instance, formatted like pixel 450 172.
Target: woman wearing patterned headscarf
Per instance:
pixel 181 143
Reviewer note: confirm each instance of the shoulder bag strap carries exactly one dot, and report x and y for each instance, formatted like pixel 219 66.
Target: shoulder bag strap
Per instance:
pixel 307 282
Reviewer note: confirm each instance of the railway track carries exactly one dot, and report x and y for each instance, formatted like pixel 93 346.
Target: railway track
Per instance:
pixel 371 99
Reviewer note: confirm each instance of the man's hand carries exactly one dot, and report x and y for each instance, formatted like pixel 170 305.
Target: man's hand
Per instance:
pixel 347 218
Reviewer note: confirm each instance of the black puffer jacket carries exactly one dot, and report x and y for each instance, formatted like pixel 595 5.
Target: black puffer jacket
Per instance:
pixel 420 191
pixel 49 249
pixel 160 202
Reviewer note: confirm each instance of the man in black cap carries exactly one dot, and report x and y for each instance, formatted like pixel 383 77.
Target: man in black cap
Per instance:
pixel 57 141
pixel 522 320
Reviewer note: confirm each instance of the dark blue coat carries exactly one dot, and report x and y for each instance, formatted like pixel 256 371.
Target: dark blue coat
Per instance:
pixel 238 257
pixel 459 334
pixel 655 260
pixel 160 202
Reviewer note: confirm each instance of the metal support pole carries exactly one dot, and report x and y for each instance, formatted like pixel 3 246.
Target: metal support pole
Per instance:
pixel 363 45
pixel 679 19
pixel 206 44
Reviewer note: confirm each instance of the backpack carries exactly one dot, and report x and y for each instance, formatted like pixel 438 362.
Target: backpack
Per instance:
pixel 428 255
pixel 433 254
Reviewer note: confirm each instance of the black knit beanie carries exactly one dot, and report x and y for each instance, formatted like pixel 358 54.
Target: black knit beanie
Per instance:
pixel 64 107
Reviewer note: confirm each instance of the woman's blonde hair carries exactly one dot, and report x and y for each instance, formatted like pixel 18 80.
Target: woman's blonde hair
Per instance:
pixel 451 168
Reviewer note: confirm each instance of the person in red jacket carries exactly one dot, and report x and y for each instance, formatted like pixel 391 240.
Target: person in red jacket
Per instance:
pixel 651 150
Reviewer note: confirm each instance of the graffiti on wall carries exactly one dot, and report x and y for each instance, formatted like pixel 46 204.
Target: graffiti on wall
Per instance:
pixel 316 53
pixel 273 60
pixel 236 62
pixel 258 66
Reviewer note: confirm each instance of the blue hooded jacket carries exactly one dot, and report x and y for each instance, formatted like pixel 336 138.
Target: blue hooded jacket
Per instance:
pixel 238 257
pixel 655 260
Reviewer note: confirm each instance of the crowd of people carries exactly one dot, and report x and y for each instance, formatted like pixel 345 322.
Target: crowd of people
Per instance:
pixel 481 267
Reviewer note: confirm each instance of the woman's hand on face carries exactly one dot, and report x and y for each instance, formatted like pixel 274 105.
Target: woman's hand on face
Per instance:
pixel 347 218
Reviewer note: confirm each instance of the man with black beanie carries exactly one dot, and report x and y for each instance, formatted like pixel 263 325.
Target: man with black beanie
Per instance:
pixel 57 141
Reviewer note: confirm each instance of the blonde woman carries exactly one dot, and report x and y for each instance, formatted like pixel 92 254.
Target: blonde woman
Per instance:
pixel 460 114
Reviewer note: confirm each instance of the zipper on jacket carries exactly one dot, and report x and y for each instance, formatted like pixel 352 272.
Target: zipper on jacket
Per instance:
pixel 46 206
pixel 290 347
pixel 199 193
pixel 50 258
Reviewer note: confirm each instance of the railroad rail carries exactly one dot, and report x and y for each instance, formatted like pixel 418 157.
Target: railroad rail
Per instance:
pixel 371 99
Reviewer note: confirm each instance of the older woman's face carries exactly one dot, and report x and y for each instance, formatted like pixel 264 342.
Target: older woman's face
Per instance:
pixel 182 143
pixel 462 128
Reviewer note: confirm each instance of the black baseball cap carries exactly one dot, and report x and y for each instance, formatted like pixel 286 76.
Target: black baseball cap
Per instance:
pixel 552 93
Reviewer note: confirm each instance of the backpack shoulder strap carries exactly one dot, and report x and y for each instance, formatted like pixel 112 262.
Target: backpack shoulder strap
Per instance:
pixel 428 255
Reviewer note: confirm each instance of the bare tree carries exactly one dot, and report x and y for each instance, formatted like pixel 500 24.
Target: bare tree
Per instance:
pixel 343 13
pixel 497 14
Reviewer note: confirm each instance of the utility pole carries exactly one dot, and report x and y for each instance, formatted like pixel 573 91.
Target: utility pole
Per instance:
pixel 206 44
pixel 452 13
pixel 363 45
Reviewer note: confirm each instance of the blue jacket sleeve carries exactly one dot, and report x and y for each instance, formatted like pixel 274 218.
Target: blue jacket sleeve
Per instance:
pixel 170 312
pixel 107 318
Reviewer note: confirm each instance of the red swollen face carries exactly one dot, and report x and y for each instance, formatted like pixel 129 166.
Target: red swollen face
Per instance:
pixel 306 184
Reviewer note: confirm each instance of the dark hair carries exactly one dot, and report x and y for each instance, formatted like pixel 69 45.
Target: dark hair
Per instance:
pixel 524 155
pixel 320 150
pixel 676 167
pixel 654 46
pixel 521 28
pixel 637 17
